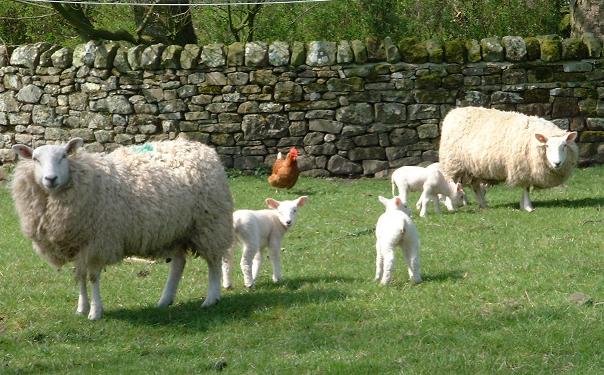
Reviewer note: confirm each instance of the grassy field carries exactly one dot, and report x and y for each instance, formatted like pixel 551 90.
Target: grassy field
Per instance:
pixel 495 296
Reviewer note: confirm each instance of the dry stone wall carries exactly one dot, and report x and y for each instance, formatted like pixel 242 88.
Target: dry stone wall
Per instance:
pixel 351 107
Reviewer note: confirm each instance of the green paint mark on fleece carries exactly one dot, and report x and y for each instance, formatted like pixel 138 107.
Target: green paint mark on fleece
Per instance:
pixel 142 148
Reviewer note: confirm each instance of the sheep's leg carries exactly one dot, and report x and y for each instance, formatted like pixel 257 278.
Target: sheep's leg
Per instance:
pixel 214 275
pixel 256 263
pixel 227 262
pixel 388 257
pixel 525 201
pixel 411 254
pixel 275 257
pixel 480 192
pixel 83 304
pixel 177 265
pixel 246 264
pixel 379 262
pixel 96 305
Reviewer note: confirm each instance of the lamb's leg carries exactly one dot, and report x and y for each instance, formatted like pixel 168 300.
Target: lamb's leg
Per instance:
pixel 96 305
pixel 480 192
pixel 411 254
pixel 449 204
pixel 275 257
pixel 423 204
pixel 227 262
pixel 256 263
pixel 247 256
pixel 83 304
pixel 379 262
pixel 388 256
pixel 214 275
pixel 436 204
pixel 525 201
pixel 177 265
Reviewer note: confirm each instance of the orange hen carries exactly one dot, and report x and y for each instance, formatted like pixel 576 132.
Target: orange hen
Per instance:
pixel 285 171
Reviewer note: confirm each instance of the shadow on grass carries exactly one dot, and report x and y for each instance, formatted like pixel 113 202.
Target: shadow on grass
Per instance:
pixel 234 305
pixel 300 282
pixel 559 203
pixel 444 276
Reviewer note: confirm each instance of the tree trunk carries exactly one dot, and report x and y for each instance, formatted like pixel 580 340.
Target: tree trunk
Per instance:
pixel 587 16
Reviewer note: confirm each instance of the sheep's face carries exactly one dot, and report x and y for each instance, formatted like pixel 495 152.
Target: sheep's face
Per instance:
pixel 556 147
pixel 394 204
pixel 287 211
pixel 51 163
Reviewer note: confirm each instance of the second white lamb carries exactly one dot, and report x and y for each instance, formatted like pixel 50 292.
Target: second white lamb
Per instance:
pixel 256 230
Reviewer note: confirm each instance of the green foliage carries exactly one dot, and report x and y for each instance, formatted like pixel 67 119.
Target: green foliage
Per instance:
pixel 495 296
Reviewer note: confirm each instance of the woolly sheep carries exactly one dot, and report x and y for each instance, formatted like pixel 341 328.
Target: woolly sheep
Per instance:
pixel 256 230
pixel 480 145
pixel 394 228
pixel 430 180
pixel 153 202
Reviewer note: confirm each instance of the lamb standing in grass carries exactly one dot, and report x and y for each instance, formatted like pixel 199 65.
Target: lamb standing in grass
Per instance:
pixel 431 182
pixel 257 230
pixel 394 228
pixel 95 210
pixel 481 145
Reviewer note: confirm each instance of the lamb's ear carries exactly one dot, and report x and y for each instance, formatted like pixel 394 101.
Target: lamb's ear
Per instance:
pixel 23 151
pixel 541 138
pixel 398 202
pixel 271 203
pixel 302 200
pixel 571 137
pixel 73 145
pixel 459 187
pixel 383 200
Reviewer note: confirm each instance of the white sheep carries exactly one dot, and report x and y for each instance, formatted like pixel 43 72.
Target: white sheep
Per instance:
pixel 480 145
pixel 394 228
pixel 256 230
pixel 429 180
pixel 95 210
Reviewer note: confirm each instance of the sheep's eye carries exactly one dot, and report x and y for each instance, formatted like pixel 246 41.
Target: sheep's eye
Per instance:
pixel 36 160
pixel 64 156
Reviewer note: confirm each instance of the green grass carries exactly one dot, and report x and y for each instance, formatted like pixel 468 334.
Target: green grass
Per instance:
pixel 494 297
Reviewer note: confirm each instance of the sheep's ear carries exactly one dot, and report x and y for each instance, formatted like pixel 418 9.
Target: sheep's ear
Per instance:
pixel 459 187
pixel 302 200
pixel 271 203
pixel 541 138
pixel 571 137
pixel 23 151
pixel 73 145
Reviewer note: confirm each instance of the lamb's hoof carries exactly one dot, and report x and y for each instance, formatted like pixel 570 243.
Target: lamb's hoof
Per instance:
pixel 83 310
pixel 227 287
pixel 209 302
pixel 95 314
pixel 527 209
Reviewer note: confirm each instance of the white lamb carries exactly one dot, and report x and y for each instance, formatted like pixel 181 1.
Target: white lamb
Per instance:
pixel 394 228
pixel 95 210
pixel 257 230
pixel 431 182
pixel 481 145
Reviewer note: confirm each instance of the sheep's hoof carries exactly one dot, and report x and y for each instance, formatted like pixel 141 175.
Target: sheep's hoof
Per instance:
pixel 95 315
pixel 209 302
pixel 164 303
pixel 83 310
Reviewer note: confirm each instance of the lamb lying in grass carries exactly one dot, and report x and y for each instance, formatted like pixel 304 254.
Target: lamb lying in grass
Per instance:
pixel 431 182
pixel 257 230
pixel 395 228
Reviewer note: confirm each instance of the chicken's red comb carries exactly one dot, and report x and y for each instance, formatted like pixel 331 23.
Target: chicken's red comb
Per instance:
pixel 294 152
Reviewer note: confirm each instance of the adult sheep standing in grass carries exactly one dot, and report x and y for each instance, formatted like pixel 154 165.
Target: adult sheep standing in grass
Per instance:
pixel 153 202
pixel 481 145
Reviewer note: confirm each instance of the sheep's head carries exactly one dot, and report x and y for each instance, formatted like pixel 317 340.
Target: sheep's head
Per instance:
pixel 287 211
pixel 395 203
pixel 51 163
pixel 557 147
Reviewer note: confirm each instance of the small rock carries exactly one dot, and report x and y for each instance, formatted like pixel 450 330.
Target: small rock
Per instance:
pixel 580 299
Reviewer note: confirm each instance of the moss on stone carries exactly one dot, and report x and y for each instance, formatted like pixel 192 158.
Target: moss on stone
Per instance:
pixel 428 81
pixel 551 49
pixel 473 50
pixel 435 49
pixel 413 51
pixel 574 49
pixel 533 48
pixel 592 136
pixel 455 51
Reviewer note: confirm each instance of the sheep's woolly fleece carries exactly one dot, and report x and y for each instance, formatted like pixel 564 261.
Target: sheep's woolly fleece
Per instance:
pixel 496 146
pixel 129 203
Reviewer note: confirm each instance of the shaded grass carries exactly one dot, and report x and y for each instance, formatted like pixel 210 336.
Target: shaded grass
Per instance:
pixel 494 299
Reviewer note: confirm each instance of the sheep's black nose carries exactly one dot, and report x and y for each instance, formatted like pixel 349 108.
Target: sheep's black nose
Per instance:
pixel 288 222
pixel 51 179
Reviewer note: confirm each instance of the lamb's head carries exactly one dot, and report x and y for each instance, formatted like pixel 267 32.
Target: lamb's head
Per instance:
pixel 394 204
pixel 557 147
pixel 51 162
pixel 457 194
pixel 287 211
